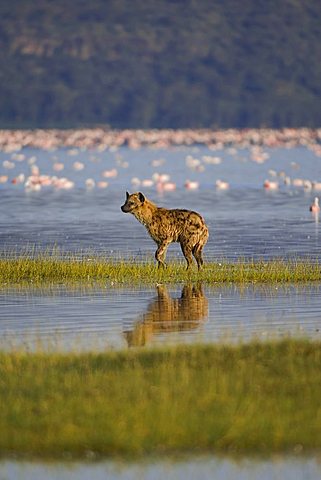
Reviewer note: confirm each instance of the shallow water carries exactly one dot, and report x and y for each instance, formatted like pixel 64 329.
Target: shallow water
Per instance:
pixel 245 221
pixel 275 468
pixel 97 318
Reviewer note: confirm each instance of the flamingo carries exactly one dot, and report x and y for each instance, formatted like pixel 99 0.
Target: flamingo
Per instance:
pixel 269 185
pixel 298 182
pixel 8 165
pixel 191 185
pixel 314 207
pixel 102 184
pixel 165 187
pixel 78 166
pixel 147 182
pixel 222 185
pixel 90 183
pixel 135 181
pixel 110 173
pixel 58 166
pixel 316 185
pixel 18 179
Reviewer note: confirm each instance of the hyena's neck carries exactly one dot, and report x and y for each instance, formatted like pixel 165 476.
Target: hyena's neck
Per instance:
pixel 145 213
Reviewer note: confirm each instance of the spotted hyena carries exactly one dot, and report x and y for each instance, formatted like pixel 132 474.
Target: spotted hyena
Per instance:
pixel 167 226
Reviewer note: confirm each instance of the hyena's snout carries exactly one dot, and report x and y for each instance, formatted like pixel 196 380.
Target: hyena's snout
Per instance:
pixel 125 208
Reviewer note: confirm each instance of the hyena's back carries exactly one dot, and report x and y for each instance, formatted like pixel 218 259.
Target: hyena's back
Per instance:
pixel 178 225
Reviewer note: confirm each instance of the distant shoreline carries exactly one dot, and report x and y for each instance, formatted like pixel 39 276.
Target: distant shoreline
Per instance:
pixel 101 138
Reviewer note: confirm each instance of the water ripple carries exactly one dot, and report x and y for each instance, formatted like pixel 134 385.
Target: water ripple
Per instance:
pixel 100 319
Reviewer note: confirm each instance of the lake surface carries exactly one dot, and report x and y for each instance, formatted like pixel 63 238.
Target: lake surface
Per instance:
pixel 202 468
pixel 245 220
pixel 98 318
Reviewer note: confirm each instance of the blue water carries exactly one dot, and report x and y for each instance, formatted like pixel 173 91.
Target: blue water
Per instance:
pixel 245 221
pixel 102 318
pixel 201 468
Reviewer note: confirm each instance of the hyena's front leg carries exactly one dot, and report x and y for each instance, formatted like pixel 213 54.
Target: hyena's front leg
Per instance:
pixel 160 254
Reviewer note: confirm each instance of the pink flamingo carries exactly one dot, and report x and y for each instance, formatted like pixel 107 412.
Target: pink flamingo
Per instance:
pixel 269 185
pixel 314 207
pixel 110 173
pixel 221 185
pixel 191 185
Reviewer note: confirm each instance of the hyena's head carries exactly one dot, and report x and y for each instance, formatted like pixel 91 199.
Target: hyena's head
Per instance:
pixel 133 201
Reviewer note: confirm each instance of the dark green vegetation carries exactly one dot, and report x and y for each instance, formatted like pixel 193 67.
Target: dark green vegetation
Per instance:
pixel 155 63
pixel 50 269
pixel 254 398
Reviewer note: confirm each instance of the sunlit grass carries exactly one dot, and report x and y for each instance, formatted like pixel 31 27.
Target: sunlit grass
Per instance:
pixel 51 268
pixel 251 398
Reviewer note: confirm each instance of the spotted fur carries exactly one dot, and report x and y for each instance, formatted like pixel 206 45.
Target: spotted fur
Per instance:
pixel 166 226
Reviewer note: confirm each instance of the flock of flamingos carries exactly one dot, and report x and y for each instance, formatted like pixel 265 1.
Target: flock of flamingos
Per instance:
pixel 13 144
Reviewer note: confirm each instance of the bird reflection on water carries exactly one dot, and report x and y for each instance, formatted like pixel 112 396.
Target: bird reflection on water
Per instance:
pixel 166 314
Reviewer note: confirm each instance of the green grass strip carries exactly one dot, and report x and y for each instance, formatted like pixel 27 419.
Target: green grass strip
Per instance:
pixel 255 398
pixel 50 269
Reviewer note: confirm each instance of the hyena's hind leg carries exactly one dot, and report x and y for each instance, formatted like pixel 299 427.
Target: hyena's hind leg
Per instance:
pixel 187 252
pixel 197 252
pixel 198 247
pixel 160 254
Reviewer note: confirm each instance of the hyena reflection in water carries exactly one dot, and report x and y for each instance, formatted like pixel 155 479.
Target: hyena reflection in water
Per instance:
pixel 166 314
pixel 169 225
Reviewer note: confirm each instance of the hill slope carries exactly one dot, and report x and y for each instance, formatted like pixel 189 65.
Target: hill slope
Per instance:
pixel 177 63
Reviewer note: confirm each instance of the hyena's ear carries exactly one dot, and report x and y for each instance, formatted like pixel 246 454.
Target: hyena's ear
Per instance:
pixel 141 197
pixel 127 195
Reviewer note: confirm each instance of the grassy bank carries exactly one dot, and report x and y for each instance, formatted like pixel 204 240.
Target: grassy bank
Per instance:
pixel 251 398
pixel 51 269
